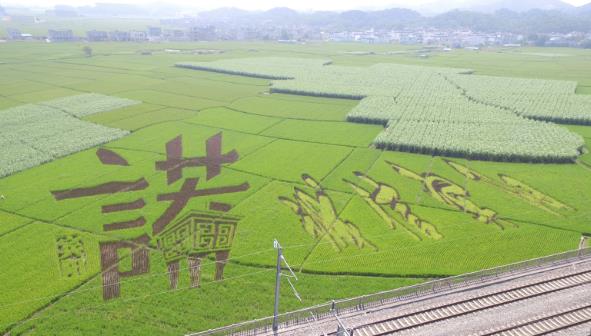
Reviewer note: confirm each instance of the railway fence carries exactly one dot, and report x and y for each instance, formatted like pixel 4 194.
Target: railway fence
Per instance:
pixel 328 310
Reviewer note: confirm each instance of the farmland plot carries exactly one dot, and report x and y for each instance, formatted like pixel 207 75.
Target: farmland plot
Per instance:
pixel 87 104
pixel 520 140
pixel 437 110
pixel 35 134
pixel 57 260
pixel 218 157
pixel 273 68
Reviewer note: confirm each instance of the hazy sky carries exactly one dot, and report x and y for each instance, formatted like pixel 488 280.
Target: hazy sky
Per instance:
pixel 264 4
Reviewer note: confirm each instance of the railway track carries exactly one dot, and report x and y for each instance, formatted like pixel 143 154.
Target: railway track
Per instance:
pixel 545 325
pixel 468 306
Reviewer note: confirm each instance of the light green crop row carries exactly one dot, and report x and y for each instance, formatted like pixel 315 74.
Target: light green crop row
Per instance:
pixel 518 140
pixel 33 134
pixel 440 111
pixel 533 98
pixel 381 110
pixel 318 77
pixel 87 104
pixel 269 68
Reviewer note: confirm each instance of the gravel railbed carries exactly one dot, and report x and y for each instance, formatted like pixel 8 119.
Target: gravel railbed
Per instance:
pixel 466 325
pixel 507 315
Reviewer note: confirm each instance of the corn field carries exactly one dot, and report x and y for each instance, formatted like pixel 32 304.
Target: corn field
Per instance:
pixel 438 111
pixel 33 134
pixel 87 104
pixel 524 141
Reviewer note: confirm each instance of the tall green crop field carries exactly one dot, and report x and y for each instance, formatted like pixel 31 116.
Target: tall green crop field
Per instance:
pixel 373 170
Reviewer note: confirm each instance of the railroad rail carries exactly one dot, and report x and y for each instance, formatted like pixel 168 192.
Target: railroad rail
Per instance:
pixel 362 304
pixel 468 306
pixel 545 325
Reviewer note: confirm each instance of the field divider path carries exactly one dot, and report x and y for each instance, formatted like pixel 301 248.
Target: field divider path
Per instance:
pixel 332 103
pixel 222 103
pixel 472 305
pixel 242 157
pixel 260 133
pixel 64 226
pixel 16 228
pixel 131 131
pixel 156 109
pixel 271 137
pixel 547 226
pixel 337 165
pixel 43 73
pixel 283 117
pixel 142 73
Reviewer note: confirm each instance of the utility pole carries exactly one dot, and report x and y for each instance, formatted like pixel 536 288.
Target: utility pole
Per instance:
pixel 342 330
pixel 281 259
pixel 583 242
pixel 277 286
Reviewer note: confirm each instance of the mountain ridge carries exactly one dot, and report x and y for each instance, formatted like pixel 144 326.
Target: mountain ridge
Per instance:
pixel 531 21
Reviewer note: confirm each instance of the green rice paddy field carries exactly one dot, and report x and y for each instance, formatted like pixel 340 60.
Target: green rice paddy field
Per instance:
pixel 352 219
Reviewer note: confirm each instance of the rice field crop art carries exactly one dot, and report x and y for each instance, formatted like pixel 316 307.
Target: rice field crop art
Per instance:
pixel 515 187
pixel 451 194
pixel 386 200
pixel 372 176
pixel 320 219
pixel 210 235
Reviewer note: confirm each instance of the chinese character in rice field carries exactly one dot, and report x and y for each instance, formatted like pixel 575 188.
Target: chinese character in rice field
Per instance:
pixel 386 202
pixel 209 231
pixel 194 237
pixel 174 166
pixel 71 254
pixel 448 192
pixel 320 218
pixel 516 188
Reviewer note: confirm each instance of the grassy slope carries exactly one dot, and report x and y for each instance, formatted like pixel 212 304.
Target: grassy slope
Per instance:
pixel 279 138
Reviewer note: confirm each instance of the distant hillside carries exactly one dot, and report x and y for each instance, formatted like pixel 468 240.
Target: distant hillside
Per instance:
pixel 586 9
pixel 354 19
pixel 502 20
pixel 515 16
pixel 382 18
pixel 521 5
pixel 532 21
pixel 113 10
pixel 491 6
